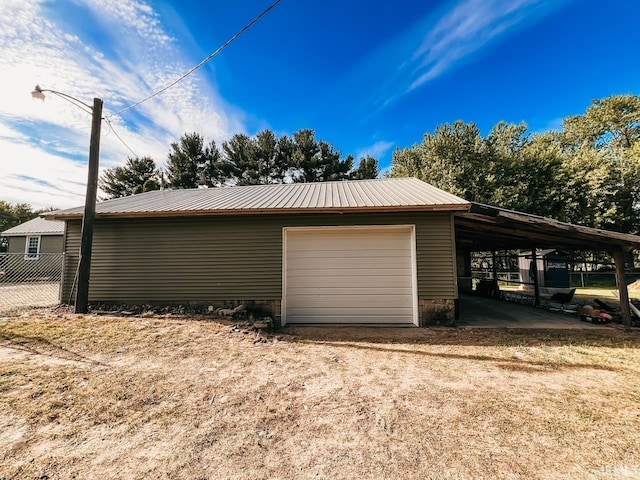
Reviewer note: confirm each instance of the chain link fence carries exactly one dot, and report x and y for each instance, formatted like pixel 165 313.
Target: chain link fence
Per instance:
pixel 29 280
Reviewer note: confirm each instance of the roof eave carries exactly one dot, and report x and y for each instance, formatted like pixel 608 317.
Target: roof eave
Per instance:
pixel 30 234
pixel 464 207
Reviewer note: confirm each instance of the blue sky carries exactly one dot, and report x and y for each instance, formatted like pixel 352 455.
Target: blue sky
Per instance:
pixel 367 76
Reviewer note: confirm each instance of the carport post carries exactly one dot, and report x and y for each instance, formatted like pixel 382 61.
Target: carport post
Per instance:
pixel 625 310
pixel 536 285
pixel 494 266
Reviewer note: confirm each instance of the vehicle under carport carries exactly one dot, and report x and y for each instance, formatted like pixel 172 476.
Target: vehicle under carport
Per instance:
pixel 486 228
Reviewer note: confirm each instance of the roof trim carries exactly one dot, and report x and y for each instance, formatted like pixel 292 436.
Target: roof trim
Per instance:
pixel 32 234
pixel 270 211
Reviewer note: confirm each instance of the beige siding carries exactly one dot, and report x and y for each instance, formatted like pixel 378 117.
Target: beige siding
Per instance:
pixel 48 244
pixel 435 246
pixel 71 255
pixel 208 259
pixel 16 244
pixel 51 244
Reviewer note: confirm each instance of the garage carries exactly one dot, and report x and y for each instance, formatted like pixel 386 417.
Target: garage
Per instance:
pixel 349 275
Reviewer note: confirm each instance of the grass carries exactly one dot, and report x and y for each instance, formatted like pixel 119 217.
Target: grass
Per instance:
pixel 179 397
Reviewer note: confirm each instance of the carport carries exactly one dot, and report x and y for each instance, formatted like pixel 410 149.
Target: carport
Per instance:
pixel 486 228
pixel 491 313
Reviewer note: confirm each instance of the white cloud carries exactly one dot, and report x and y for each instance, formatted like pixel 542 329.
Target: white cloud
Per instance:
pixel 377 150
pixel 466 28
pixel 134 58
pixel 556 124
pixel 28 174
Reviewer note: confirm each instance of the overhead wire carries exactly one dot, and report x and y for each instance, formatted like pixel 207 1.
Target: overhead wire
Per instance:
pixel 203 62
pixel 119 137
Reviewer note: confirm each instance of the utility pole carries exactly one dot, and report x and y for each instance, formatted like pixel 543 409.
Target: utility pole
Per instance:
pixel 88 219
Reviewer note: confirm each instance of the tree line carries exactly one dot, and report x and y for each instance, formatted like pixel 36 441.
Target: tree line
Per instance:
pixel 242 160
pixel 587 173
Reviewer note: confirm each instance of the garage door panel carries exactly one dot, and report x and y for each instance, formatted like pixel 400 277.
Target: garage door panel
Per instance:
pixel 390 273
pixel 349 275
pixel 399 317
pixel 368 239
pixel 346 283
pixel 332 289
pixel 355 253
pixel 349 301
pixel 371 280
pixel 377 312
pixel 325 263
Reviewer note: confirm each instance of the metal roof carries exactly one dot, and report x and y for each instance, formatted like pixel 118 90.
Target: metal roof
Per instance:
pixel 37 226
pixel 486 227
pixel 389 194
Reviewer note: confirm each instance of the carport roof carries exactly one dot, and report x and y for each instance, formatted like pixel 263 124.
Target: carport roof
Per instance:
pixel 389 194
pixel 485 228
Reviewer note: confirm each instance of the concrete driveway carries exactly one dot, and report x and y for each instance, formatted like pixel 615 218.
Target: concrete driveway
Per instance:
pixel 487 312
pixel 21 295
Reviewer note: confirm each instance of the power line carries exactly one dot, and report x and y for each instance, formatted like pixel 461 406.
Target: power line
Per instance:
pixel 210 57
pixel 119 137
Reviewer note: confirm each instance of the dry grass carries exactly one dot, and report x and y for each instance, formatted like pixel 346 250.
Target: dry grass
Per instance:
pixel 107 397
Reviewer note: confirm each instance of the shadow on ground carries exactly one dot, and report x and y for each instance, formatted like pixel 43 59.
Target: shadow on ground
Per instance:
pixel 615 337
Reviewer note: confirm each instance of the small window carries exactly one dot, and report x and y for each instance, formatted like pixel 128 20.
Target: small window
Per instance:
pixel 32 249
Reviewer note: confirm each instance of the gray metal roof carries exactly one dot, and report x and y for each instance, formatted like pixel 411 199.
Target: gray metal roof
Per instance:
pixel 389 194
pixel 37 226
pixel 486 227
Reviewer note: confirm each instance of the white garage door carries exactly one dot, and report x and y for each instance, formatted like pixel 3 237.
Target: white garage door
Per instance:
pixel 349 275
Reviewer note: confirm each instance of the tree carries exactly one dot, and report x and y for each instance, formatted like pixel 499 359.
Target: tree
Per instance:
pixel 612 122
pixel 216 170
pixel 261 160
pixel 455 158
pixel 133 177
pixel 317 161
pixel 306 155
pixel 284 160
pixel 526 171
pixel 603 143
pixel 240 151
pixel 368 168
pixel 588 174
pixel 187 161
pixel 273 157
pixel 332 167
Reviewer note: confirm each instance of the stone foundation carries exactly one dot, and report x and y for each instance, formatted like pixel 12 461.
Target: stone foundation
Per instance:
pixel 258 308
pixel 436 312
pixel 262 308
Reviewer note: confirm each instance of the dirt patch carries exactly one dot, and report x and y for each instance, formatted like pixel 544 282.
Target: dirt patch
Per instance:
pixel 85 396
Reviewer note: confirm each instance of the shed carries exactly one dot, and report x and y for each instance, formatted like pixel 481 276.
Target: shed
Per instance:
pixel 34 249
pixel 35 236
pixel 552 265
pixel 351 252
